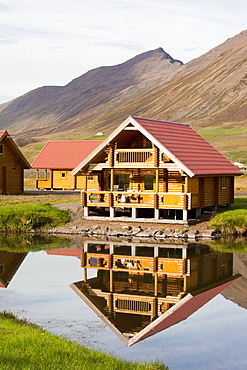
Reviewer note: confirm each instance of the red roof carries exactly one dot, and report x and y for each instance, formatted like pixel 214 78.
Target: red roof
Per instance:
pixel 181 311
pixel 64 154
pixel 189 148
pixel 193 154
pixel 1 133
pixel 65 252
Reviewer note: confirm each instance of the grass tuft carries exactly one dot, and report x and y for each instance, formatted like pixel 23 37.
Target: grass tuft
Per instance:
pixel 27 347
pixel 31 217
pixel 232 221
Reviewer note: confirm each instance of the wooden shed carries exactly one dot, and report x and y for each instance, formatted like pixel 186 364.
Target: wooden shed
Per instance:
pixel 57 159
pixel 162 167
pixel 12 165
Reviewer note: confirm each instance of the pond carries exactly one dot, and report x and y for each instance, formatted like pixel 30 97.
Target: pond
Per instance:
pixel 178 302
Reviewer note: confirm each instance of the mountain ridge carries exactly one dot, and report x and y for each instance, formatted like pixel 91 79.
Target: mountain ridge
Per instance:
pixel 208 92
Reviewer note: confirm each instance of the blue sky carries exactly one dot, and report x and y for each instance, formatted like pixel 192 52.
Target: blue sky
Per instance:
pixel 50 42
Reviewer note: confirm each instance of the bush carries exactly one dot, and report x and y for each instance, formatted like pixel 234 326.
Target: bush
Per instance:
pixel 230 221
pixel 31 217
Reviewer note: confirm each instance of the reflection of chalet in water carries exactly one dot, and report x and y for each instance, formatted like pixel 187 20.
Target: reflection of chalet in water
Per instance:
pixel 156 169
pixel 9 264
pixel 141 290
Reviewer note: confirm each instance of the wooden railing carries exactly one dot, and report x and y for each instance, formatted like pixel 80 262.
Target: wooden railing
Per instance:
pixel 137 199
pixel 43 184
pixel 134 157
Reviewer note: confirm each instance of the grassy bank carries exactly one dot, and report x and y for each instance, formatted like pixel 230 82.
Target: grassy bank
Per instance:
pixel 27 347
pixel 232 221
pixel 31 217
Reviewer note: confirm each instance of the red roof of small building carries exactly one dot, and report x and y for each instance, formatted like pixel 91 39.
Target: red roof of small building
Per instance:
pixel 64 154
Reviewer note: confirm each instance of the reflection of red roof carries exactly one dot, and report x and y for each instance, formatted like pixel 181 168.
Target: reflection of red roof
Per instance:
pixel 65 252
pixel 64 154
pixel 181 311
pixel 188 147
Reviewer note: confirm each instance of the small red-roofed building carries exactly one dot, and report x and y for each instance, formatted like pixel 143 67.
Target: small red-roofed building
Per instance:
pixel 12 165
pixel 57 159
pixel 163 169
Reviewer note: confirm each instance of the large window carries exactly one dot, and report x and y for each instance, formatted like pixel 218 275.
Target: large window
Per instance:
pixel 148 182
pixel 122 181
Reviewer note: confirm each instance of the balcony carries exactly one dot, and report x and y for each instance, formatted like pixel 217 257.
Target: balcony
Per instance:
pixel 133 157
pixel 137 199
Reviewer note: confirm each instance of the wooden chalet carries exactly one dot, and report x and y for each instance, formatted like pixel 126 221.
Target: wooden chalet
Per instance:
pixel 140 290
pixel 57 159
pixel 162 167
pixel 12 165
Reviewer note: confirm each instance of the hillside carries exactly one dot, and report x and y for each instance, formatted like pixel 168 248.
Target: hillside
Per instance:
pixel 54 109
pixel 209 93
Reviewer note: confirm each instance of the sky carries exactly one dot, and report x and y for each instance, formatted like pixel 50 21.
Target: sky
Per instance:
pixel 51 42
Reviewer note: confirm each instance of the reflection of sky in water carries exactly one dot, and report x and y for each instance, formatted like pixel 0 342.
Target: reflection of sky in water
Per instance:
pixel 213 337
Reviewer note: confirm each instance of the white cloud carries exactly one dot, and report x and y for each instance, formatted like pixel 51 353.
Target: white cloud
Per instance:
pixel 45 42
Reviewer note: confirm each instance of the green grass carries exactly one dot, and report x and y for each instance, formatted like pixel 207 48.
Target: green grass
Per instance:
pixel 39 146
pixel 232 221
pixel 31 216
pixel 231 131
pixel 230 142
pixel 27 347
pixel 41 197
pixel 96 137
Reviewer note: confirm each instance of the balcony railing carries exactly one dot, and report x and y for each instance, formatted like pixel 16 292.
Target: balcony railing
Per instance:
pixel 137 199
pixel 134 156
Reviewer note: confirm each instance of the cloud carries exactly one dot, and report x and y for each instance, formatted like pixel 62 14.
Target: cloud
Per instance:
pixel 128 45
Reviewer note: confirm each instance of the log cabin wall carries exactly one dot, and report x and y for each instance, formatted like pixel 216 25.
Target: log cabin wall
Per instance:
pixel 175 182
pixel 63 180
pixel 11 171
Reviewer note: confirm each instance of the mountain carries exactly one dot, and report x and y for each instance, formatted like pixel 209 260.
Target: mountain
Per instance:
pixel 209 93
pixel 53 109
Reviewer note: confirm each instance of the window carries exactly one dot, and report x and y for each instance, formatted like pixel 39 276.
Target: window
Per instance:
pixel 90 178
pixel 122 180
pixel 223 182
pixel 148 182
pixel 63 174
pixel 1 149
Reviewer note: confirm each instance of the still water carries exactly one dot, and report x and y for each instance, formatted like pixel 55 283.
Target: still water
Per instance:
pixel 178 302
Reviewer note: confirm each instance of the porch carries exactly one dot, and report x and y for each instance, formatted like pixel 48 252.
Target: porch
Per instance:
pixel 163 204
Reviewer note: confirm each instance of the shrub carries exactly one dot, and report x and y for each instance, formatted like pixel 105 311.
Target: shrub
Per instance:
pixel 27 217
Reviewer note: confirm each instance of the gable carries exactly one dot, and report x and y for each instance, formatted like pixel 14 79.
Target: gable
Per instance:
pixel 6 140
